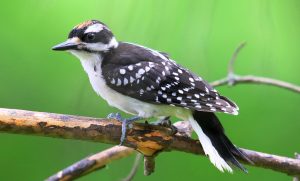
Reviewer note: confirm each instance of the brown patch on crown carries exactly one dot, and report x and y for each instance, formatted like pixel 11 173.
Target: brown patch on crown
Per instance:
pixel 84 24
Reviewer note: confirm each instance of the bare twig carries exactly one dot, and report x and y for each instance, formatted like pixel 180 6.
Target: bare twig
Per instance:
pixel 92 163
pixel 257 80
pixel 232 61
pixel 147 139
pixel 134 168
pixel 233 79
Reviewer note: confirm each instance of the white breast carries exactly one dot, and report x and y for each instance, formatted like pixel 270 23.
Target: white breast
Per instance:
pixel 92 65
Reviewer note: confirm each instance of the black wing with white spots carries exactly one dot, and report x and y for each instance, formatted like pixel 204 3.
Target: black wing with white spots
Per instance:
pixel 152 77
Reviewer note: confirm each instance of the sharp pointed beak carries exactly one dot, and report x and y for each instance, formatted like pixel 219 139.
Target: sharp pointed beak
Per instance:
pixel 67 45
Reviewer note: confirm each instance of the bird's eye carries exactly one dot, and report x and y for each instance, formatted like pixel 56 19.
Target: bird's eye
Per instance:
pixel 90 37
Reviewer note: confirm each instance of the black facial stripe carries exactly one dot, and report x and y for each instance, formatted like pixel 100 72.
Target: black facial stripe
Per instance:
pixel 104 36
pixel 103 54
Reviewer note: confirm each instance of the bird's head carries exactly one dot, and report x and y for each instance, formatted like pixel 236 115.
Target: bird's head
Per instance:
pixel 88 37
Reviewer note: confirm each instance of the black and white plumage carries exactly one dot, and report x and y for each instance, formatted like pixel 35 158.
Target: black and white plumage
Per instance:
pixel 147 83
pixel 150 76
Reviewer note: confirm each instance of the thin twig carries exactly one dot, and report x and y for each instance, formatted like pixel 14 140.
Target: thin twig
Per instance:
pixel 91 163
pixel 134 168
pixel 257 80
pixel 233 58
pixel 233 78
pixel 147 139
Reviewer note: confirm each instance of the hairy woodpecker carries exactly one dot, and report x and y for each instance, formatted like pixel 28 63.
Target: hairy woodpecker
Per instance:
pixel 147 83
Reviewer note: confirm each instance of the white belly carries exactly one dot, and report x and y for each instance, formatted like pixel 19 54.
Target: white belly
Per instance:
pixel 128 104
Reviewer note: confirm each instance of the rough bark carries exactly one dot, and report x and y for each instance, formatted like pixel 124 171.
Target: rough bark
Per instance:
pixel 145 138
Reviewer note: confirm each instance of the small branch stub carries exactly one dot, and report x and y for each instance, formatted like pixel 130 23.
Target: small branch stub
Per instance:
pixel 149 165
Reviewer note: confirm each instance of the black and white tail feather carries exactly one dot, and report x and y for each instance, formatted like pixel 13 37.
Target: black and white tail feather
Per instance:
pixel 221 152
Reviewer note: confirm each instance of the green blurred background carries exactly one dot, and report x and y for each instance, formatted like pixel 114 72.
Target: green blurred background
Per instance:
pixel 200 35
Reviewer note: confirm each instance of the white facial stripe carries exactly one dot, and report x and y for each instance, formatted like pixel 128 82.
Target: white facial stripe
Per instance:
pixel 74 40
pixel 94 28
pixel 113 43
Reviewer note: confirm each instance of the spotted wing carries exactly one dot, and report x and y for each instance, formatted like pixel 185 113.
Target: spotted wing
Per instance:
pixel 165 82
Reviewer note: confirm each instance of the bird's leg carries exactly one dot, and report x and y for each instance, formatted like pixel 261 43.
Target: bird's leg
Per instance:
pixel 125 122
pixel 166 122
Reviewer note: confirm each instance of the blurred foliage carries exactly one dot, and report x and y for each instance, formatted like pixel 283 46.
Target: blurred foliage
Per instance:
pixel 200 35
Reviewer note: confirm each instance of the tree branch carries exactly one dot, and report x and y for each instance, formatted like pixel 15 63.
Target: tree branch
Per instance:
pixel 92 163
pixel 233 78
pixel 236 79
pixel 83 167
pixel 147 139
pixel 134 168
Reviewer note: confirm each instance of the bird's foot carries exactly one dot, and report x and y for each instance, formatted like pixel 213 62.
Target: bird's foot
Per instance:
pixel 116 116
pixel 125 122
pixel 166 122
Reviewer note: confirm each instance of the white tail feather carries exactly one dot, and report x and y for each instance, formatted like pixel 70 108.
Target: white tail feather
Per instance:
pixel 208 148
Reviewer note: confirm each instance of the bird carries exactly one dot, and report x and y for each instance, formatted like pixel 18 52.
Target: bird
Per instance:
pixel 147 83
